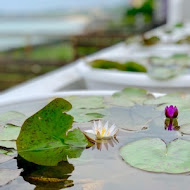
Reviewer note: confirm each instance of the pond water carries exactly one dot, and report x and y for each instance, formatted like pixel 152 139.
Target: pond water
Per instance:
pixel 99 167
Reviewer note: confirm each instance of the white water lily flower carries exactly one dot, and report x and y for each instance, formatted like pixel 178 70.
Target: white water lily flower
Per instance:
pixel 103 131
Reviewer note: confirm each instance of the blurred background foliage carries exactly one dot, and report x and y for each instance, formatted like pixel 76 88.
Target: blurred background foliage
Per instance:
pixel 104 24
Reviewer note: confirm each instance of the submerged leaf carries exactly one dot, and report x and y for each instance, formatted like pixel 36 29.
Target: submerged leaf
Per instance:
pixel 152 154
pixel 7 175
pixel 43 139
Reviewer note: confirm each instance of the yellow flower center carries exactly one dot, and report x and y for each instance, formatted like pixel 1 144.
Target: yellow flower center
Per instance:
pixel 103 131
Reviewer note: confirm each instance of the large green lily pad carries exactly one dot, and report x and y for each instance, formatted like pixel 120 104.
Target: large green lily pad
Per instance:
pixel 152 154
pixel 129 97
pixel 43 138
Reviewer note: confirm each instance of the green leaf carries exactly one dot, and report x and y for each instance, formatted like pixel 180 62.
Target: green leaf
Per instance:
pixel 106 64
pixel 75 138
pixel 129 97
pixel 85 115
pixel 10 132
pixel 134 67
pixel 7 151
pixel 86 102
pixel 152 154
pixel 151 40
pixel 43 137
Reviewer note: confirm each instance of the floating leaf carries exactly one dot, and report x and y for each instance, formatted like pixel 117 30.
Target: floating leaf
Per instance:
pixel 86 102
pixel 163 73
pixel 85 115
pixel 106 64
pixel 12 117
pixel 7 151
pixel 2 151
pixel 134 67
pixel 133 119
pixel 43 138
pixel 10 132
pixel 5 158
pixel 149 41
pixel 7 175
pixel 8 144
pixel 129 97
pixel 152 154
pixel 181 100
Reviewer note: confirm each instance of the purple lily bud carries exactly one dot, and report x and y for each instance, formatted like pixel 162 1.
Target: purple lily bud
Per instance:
pixel 171 111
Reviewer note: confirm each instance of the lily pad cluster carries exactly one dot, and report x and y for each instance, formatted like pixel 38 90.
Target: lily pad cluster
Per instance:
pixel 49 138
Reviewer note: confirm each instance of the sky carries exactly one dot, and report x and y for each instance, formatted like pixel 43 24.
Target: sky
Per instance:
pixel 38 6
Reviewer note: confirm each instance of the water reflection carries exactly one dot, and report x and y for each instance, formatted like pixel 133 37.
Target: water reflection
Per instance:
pixel 171 124
pixel 47 177
pixel 105 144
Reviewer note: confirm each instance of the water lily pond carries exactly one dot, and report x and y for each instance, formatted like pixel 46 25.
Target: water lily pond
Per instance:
pixel 48 144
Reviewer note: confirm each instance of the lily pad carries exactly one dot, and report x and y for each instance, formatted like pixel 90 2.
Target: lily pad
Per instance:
pixel 129 97
pixel 7 175
pixel 8 144
pixel 86 102
pixel 132 119
pixel 163 73
pixel 12 117
pixel 181 100
pixel 85 115
pixel 106 64
pixel 10 132
pixel 7 151
pixel 43 138
pixel 152 154
pixel 5 158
